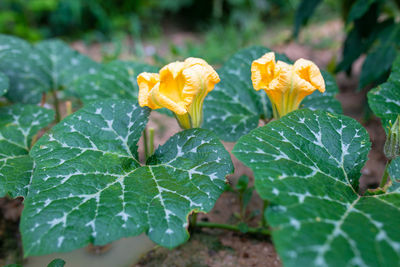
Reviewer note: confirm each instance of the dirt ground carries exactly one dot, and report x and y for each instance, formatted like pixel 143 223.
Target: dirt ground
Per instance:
pixel 218 247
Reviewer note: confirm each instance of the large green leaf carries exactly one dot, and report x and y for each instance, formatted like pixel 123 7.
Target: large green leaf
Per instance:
pixel 384 100
pixel 88 185
pixel 4 84
pixel 234 108
pixel 21 63
pixel 63 64
pixel 308 164
pixel 18 124
pixel 116 80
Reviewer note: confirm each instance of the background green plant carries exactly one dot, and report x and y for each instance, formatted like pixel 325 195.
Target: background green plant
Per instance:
pixel 371 29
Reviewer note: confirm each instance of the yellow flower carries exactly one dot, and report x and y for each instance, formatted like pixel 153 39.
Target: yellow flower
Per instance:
pixel 180 87
pixel 286 85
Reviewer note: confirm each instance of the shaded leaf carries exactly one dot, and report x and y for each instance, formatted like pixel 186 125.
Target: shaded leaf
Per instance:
pixel 49 65
pixel 116 80
pixel 63 64
pixel 21 64
pixel 359 8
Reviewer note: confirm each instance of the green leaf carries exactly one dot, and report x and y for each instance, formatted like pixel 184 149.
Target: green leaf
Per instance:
pixel 394 173
pixel 89 187
pixel 18 124
pixel 116 80
pixel 308 165
pixel 56 263
pixel 303 13
pixel 354 46
pixel 359 8
pixel 49 65
pixel 384 100
pixel 21 63
pixel 361 37
pixel 63 64
pixel 4 84
pixel 383 56
pixel 234 108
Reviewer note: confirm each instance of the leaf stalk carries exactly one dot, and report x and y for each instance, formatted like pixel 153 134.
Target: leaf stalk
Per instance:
pixel 385 175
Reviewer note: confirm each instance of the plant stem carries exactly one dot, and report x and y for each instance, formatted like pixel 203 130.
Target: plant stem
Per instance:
pixel 43 100
pixel 193 220
pixel 56 106
pixel 145 142
pixel 385 175
pixel 263 220
pixel 151 137
pixel 148 140
pixel 250 230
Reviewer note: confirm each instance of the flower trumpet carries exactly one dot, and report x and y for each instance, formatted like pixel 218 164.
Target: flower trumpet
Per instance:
pixel 180 87
pixel 286 85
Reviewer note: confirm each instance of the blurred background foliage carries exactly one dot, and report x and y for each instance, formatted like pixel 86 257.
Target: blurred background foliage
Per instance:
pixel 216 28
pixel 372 29
pixel 37 19
pixel 231 24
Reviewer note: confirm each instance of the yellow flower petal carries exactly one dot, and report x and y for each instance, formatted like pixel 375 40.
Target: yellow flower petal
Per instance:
pixel 191 61
pixel 181 88
pixel 310 75
pixel 146 81
pixel 263 71
pixel 286 85
pixel 178 107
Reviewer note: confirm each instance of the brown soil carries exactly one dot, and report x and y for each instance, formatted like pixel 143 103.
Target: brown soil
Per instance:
pixel 218 247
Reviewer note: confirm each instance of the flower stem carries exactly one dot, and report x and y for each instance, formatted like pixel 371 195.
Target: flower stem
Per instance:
pixel 385 175
pixel 145 141
pixel 151 143
pixel 148 141
pixel 250 230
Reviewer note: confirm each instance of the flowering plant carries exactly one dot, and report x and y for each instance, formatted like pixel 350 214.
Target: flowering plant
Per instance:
pixel 83 180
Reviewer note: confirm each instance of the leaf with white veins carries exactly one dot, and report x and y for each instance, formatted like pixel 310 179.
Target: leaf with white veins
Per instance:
pixel 18 124
pixel 88 185
pixel 308 165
